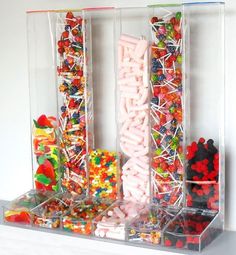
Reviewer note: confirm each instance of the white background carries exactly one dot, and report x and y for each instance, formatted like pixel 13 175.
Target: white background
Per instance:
pixel 15 168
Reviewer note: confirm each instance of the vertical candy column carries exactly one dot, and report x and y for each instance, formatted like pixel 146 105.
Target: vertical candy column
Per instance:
pixel 133 103
pixel 43 100
pixel 72 101
pixel 167 106
pixel 134 117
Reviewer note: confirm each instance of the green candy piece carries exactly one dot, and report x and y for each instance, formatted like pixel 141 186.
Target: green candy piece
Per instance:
pixel 169 26
pixel 41 147
pixel 43 179
pixel 154 78
pixel 155 135
pixel 175 140
pixel 74 121
pixel 172 109
pixel 41 160
pixel 161 45
pixel 178 15
pixel 174 146
pixel 159 170
pixel 165 175
pixel 158 151
pixel 97 161
pixel 179 59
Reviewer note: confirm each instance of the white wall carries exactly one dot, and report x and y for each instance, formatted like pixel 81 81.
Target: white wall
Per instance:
pixel 15 169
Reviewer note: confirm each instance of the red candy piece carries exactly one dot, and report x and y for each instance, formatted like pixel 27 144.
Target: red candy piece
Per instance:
pixel 43 121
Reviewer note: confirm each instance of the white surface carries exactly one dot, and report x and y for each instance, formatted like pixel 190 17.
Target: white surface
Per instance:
pixel 15 139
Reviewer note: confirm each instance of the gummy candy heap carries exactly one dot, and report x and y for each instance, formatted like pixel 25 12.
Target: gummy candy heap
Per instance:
pixel 72 82
pixel 167 109
pixel 20 209
pixel 203 175
pixel 103 174
pixel 45 149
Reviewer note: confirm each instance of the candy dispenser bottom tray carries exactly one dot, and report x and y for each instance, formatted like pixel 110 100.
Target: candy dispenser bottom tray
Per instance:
pixel 191 229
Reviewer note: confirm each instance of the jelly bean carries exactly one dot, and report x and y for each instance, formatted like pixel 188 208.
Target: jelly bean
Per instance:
pixel 103 167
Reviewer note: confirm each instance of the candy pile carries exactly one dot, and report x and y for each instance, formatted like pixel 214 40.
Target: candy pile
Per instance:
pixel 48 214
pixel 45 149
pixel 103 174
pixel 112 223
pixel 19 211
pixel 167 109
pixel 203 175
pixel 79 218
pixel 148 226
pixel 185 231
pixel 72 87
pixel 134 117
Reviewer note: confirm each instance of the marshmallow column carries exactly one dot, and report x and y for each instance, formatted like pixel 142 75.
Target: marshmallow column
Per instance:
pixel 134 117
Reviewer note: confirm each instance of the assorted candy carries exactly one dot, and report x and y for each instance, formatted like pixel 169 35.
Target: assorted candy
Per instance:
pixel 112 223
pixel 19 211
pixel 103 167
pixel 72 88
pixel 48 214
pixel 79 218
pixel 203 175
pixel 149 225
pixel 64 154
pixel 45 149
pixel 167 108
pixel 133 117
pixel 186 229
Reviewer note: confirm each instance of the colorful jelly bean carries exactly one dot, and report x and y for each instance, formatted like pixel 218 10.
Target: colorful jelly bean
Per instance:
pixel 103 167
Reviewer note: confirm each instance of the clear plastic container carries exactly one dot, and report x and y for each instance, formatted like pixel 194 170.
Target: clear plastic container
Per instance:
pixel 79 219
pixel 48 214
pixel 132 79
pixel 152 97
pixel 113 222
pixel 61 100
pixel 192 229
pixel 20 209
pixel 148 226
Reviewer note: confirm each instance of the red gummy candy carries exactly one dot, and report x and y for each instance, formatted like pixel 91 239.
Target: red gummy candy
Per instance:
pixel 43 121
